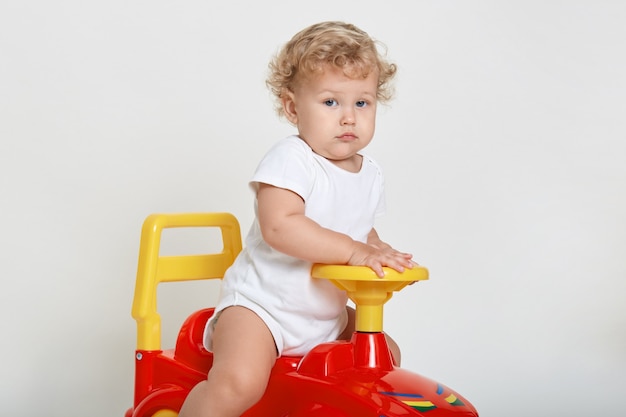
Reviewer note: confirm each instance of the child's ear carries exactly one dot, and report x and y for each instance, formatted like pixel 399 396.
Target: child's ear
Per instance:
pixel 289 106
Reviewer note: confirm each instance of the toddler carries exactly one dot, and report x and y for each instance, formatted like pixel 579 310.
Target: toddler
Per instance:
pixel 317 196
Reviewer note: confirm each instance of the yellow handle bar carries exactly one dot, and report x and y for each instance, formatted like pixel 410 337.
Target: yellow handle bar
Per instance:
pixel 154 269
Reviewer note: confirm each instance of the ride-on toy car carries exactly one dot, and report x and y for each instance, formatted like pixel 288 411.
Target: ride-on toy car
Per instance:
pixel 336 379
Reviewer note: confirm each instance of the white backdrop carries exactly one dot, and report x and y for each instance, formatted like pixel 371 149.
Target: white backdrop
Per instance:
pixel 504 155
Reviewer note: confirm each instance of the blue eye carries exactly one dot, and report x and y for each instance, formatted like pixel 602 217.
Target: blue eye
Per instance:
pixel 331 102
pixel 361 103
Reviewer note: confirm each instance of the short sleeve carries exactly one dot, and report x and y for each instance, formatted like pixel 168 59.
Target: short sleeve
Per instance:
pixel 288 165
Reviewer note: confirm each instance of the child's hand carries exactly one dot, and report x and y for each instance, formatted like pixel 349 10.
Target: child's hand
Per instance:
pixel 378 256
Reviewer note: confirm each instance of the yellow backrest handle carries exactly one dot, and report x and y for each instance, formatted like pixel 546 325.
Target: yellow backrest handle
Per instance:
pixel 154 268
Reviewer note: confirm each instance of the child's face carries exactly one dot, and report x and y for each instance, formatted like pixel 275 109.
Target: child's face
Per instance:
pixel 335 115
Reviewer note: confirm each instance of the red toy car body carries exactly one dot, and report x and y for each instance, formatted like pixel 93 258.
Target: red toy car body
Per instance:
pixel 337 379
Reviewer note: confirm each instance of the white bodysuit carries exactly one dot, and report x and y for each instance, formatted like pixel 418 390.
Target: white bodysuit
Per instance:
pixel 301 311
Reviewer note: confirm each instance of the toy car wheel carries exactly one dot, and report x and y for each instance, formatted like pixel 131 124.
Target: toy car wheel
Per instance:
pixel 165 413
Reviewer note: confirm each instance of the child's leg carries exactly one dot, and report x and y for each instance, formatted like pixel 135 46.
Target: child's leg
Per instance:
pixel 350 327
pixel 243 356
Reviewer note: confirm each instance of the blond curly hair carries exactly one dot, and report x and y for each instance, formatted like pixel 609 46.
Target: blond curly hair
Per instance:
pixel 339 44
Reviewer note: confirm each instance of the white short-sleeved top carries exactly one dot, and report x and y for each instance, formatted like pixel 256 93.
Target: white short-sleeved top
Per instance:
pixel 301 311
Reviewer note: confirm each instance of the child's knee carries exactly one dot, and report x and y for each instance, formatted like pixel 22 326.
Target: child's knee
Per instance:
pixel 395 350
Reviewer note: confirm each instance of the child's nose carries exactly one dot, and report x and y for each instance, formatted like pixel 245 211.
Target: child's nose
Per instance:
pixel 348 117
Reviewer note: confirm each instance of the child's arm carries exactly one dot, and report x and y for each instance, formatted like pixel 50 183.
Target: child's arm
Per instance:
pixel 285 228
pixel 374 240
